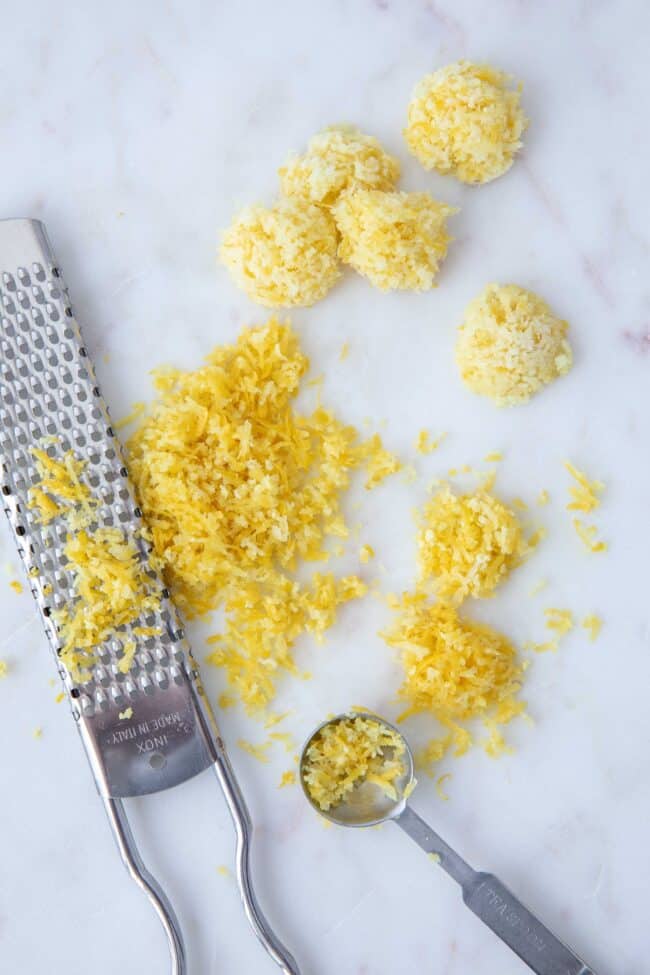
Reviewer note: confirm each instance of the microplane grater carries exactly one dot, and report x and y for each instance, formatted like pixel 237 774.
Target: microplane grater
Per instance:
pixel 49 397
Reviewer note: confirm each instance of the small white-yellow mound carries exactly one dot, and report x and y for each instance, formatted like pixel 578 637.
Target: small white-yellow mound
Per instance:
pixel 464 119
pixel 511 344
pixel 338 159
pixel 396 240
pixel 282 255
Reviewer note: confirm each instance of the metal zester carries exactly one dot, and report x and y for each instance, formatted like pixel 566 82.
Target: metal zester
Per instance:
pixel 48 389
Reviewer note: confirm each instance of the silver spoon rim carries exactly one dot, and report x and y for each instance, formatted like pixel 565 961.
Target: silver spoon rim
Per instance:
pixel 397 808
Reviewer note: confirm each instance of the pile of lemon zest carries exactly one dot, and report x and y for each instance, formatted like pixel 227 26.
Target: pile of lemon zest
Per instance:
pixel 366 552
pixel 494 457
pixel 345 351
pixel 587 535
pixel 239 490
pixel 543 498
pixel 257 751
pixel 396 240
pixel 466 119
pixel 348 752
pixel 455 669
pixel 468 543
pixel 593 624
pixel 560 621
pixel 537 588
pixel 135 414
pixel 126 715
pixel 440 781
pixel 288 778
pixel 585 493
pixel 511 344
pixel 16 586
pixel 282 255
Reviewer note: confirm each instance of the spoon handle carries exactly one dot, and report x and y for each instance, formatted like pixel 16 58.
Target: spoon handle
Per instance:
pixel 498 907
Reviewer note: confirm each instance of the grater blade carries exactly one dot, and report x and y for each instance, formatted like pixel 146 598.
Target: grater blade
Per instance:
pixel 48 390
pixel 49 393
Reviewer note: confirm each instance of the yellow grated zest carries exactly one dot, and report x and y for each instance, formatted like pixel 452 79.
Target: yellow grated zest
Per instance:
pixel 285 738
pixel 495 745
pixel 544 647
pixel 587 535
pixel 511 344
pixel 584 494
pixel 112 590
pixel 345 352
pixel 136 412
pixel 223 870
pixel 408 791
pixel 239 489
pixel 126 715
pixel 16 586
pixel 519 504
pixel 434 856
pixel 440 782
pixel 59 697
pixel 396 240
pixel 455 669
pixel 275 718
pixel 257 751
pixel 560 621
pixel 338 159
pixel 424 445
pixel 60 484
pixel 283 255
pixel 593 625
pixel 349 752
pixel 494 457
pixel 226 701
pixel 4 668
pixel 468 543
pixel 366 553
pixel 466 120
pixel 37 733
pixel 288 778
pixel 537 588
pixel 543 498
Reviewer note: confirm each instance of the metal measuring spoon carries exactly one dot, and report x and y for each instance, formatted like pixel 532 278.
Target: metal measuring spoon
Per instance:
pixel 483 893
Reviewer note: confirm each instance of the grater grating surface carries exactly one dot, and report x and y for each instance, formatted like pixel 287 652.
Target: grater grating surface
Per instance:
pixel 48 389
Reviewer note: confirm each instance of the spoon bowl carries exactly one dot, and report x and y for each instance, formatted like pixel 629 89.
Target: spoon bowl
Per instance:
pixel 367 804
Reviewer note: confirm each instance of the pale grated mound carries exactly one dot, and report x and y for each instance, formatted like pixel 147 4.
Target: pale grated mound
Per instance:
pixel 468 543
pixel 584 493
pixel 338 159
pixel 455 669
pixel 346 753
pixel 396 240
pixel 282 255
pixel 465 119
pixel 511 344
pixel 238 490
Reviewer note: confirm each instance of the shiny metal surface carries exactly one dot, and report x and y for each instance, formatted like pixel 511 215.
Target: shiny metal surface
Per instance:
pixel 49 396
pixel 484 894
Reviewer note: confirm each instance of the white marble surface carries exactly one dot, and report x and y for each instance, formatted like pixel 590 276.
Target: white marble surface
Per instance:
pixel 134 130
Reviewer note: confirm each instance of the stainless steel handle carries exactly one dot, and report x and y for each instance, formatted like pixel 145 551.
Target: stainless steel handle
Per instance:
pixel 244 830
pixel 498 907
pixel 133 862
